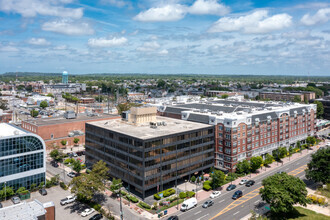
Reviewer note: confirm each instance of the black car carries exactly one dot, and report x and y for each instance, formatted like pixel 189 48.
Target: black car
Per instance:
pixel 43 191
pixel 54 163
pixel 79 153
pixel 237 194
pixel 208 203
pixel 250 183
pixel 173 218
pixel 96 217
pixel 231 187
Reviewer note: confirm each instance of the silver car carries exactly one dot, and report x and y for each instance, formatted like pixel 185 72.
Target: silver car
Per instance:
pixel 15 200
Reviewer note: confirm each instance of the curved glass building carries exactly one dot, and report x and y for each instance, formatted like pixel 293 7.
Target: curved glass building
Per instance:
pixel 22 158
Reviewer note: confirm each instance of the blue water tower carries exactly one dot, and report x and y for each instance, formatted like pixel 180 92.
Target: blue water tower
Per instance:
pixel 65 77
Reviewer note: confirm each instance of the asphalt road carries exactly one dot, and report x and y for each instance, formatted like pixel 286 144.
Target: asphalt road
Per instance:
pixel 225 208
pixel 58 170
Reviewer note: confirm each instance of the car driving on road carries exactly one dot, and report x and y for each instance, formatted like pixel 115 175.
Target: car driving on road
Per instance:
pixel 207 203
pixel 215 194
pixel 71 174
pixel 231 187
pixel 237 194
pixel 250 183
pixel 243 181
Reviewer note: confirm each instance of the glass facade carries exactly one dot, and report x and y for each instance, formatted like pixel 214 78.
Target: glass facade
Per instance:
pixel 23 155
pixel 148 164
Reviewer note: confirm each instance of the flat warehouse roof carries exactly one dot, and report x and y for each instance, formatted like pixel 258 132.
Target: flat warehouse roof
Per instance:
pixel 144 131
pixel 62 120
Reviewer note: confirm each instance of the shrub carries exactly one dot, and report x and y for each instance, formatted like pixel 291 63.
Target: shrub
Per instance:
pixel 182 195
pixel 207 182
pixel 48 184
pixel 190 194
pixel 83 166
pixel 132 198
pixel 41 185
pixel 97 207
pixel 155 206
pixel 69 160
pixel 144 205
pixel 20 190
pixel 193 179
pixel 63 186
pixel 123 193
pixel 166 193
pixel 33 187
pixel 207 187
pixel 156 196
pixel 173 198
pixel 171 191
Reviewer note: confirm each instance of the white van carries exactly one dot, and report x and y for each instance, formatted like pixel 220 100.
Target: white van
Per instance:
pixel 188 204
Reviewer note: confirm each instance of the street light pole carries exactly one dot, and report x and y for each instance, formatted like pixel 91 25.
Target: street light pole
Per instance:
pixel 121 208
pixel 5 190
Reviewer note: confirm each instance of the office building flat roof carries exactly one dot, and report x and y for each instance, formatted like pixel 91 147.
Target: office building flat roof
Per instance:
pixel 23 211
pixel 7 130
pixel 145 131
pixel 62 120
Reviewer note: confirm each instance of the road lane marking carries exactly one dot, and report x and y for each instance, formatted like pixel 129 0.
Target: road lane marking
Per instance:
pixel 287 168
pixel 197 212
pixel 257 201
pixel 236 213
pixel 253 194
pixel 221 201
pixel 202 217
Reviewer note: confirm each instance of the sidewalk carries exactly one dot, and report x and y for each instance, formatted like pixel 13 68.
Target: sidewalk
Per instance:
pixel 203 195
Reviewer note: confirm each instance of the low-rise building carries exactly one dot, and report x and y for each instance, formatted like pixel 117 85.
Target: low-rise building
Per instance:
pixel 54 130
pixel 22 158
pixel 288 96
pixel 148 152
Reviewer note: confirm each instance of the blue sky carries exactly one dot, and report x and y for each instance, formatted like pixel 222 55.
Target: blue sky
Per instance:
pixel 170 36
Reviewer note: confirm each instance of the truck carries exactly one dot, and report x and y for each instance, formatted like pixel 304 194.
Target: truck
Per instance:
pixel 67 200
pixel 188 204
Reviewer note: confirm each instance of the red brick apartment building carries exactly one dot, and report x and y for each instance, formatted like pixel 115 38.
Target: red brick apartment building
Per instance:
pixel 246 129
pixel 54 130
pixel 287 96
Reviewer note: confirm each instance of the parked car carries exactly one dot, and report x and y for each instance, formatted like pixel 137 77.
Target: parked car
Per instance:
pixel 280 172
pixel 231 187
pixel 54 163
pixel 70 154
pixel 173 218
pixel 71 174
pixel 215 194
pixel 15 200
pixel 43 191
pixel 67 200
pixel 96 217
pixel 79 153
pixel 188 204
pixel 87 212
pixel 243 181
pixel 237 194
pixel 207 203
pixel 250 183
pixel 74 154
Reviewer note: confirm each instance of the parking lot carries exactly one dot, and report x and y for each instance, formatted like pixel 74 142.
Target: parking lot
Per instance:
pixel 55 194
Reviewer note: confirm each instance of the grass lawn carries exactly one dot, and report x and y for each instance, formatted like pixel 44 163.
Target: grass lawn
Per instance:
pixel 306 214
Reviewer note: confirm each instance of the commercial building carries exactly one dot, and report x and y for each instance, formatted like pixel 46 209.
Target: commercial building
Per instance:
pixel 34 210
pixel 54 130
pixel 148 152
pixel 326 105
pixel 288 96
pixel 22 158
pixel 246 129
pixel 64 88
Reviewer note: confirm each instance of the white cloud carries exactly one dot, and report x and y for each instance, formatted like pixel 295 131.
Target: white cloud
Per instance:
pixel 148 47
pixel 321 16
pixel 68 27
pixel 117 3
pixel 8 49
pixel 38 41
pixel 163 52
pixel 165 13
pixel 256 23
pixel 104 42
pixel 30 8
pixel 202 7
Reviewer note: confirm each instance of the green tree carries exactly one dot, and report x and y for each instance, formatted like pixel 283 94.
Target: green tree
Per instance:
pixel 193 179
pixel 54 154
pixel 161 84
pixel 224 96
pixel 311 140
pixel 256 163
pixel 319 109
pixel 100 171
pixel 55 180
pixel 34 113
pixel 6 192
pixel 76 140
pixel 268 160
pixel 218 178
pixel 297 98
pixel 243 167
pixel 116 184
pixel 20 190
pixel 282 191
pixel 76 166
pixel 43 104
pixel 319 167
pixel 64 142
pixel 50 95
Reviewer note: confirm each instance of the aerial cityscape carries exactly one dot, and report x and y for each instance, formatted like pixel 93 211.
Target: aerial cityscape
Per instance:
pixel 178 109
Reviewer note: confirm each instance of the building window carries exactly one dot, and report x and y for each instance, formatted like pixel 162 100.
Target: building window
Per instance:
pixel 51 136
pixel 220 128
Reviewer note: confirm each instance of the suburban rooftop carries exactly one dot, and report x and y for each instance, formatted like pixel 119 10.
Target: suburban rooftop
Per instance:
pixel 62 120
pixel 145 131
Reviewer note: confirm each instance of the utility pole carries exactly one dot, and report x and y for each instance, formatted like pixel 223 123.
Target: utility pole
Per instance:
pixel 5 190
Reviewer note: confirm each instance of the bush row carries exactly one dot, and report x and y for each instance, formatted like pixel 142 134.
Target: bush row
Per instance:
pixel 316 199
pixel 132 198
pixel 166 193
